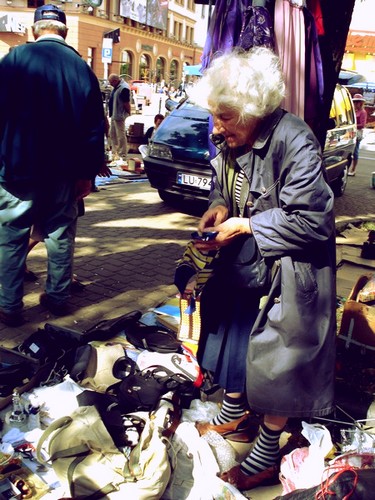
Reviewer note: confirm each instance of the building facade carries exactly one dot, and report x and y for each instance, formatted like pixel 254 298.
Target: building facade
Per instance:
pixel 113 37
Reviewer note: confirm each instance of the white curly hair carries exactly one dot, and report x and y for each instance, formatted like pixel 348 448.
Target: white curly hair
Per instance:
pixel 250 83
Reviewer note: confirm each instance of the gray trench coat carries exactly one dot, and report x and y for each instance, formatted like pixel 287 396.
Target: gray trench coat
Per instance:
pixel 291 353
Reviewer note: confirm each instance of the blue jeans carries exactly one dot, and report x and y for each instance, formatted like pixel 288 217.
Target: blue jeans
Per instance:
pixel 356 149
pixel 54 210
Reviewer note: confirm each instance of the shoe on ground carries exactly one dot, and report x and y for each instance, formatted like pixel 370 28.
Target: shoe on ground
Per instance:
pixel 243 482
pixel 58 309
pixel 242 430
pixel 11 319
pixel 77 286
pixel 351 174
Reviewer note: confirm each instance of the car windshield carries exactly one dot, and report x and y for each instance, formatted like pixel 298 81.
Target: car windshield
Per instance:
pixel 186 129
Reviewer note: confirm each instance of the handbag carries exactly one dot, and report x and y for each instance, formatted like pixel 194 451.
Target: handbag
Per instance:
pixel 90 466
pixel 141 390
pixel 190 317
pixel 93 365
pixel 151 337
pixel 240 265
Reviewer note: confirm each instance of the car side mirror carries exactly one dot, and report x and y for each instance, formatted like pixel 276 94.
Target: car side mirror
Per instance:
pixel 170 104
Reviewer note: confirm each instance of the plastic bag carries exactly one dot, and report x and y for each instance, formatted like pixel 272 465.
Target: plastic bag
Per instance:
pixel 303 467
pixel 367 293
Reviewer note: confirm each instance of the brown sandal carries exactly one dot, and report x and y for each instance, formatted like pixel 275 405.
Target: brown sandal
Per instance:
pixel 243 482
pixel 241 430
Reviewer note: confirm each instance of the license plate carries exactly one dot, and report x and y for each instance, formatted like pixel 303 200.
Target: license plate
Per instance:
pixel 194 181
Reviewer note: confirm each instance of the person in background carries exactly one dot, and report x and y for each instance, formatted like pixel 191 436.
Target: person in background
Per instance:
pixel 143 148
pixel 361 116
pixel 119 109
pixel 51 146
pixel 270 198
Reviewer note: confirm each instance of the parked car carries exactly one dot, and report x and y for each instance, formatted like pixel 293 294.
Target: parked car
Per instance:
pixel 178 163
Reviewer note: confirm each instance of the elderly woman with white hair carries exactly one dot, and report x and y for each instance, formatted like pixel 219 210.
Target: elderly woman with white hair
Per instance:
pixel 269 203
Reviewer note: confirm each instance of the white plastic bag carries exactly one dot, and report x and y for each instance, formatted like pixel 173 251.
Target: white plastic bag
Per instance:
pixel 304 467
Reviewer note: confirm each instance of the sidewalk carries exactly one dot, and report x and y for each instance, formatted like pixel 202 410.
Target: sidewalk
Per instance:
pixel 127 246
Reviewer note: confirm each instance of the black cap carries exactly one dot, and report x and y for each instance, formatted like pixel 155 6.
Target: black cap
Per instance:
pixel 49 12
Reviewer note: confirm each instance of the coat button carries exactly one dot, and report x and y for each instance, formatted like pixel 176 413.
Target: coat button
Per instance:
pixel 277 300
pixel 250 204
pixel 264 190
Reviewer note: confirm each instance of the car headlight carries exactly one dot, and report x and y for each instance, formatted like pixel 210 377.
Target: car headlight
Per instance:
pixel 160 151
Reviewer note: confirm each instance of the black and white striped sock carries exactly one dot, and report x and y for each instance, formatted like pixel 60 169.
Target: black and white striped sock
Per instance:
pixel 265 452
pixel 232 408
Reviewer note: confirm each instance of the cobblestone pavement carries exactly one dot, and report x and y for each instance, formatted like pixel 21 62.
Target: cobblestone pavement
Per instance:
pixel 127 246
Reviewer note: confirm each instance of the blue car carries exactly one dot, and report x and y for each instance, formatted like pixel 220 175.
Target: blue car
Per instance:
pixel 178 161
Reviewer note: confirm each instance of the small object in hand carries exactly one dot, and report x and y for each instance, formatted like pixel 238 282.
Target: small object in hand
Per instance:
pixel 204 236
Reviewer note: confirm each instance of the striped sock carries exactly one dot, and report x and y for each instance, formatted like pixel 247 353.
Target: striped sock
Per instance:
pixel 265 452
pixel 231 409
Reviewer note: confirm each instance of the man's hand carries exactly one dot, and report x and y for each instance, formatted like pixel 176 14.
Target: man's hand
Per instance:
pixel 105 171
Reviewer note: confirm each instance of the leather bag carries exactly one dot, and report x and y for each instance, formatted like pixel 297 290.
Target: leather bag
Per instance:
pixel 94 364
pixel 90 466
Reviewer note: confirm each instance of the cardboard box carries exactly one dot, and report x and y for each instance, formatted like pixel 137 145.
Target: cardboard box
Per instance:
pixel 358 319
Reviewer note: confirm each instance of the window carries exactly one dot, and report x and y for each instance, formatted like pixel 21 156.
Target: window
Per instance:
pixel 126 64
pixel 90 57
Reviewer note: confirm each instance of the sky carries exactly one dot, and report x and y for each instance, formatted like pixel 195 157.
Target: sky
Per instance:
pixel 363 16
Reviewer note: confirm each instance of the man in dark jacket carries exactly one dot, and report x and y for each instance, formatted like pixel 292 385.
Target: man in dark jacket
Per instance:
pixel 51 146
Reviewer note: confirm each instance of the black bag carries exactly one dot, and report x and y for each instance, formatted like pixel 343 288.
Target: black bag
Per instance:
pixel 16 370
pixel 50 343
pixel 109 328
pixel 141 390
pixel 153 338
pixel 241 265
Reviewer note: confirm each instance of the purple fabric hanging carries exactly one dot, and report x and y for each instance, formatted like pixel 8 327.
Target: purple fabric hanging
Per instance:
pixel 257 29
pixel 314 83
pixel 225 28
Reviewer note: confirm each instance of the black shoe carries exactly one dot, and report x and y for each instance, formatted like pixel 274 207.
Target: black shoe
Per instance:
pixel 95 190
pixel 77 286
pixel 30 276
pixel 55 308
pixel 11 319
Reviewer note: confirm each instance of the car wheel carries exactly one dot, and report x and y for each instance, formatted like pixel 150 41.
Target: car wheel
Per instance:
pixel 339 185
pixel 168 198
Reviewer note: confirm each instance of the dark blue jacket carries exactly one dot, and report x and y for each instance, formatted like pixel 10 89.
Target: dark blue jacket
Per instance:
pixel 52 117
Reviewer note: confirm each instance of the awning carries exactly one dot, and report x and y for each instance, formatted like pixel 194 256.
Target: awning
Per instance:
pixel 194 70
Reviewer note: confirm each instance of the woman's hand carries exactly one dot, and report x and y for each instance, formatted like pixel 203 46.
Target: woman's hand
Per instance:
pixel 212 217
pixel 227 232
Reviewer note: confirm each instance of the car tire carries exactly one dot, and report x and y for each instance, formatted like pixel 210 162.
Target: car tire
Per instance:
pixel 168 198
pixel 339 185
